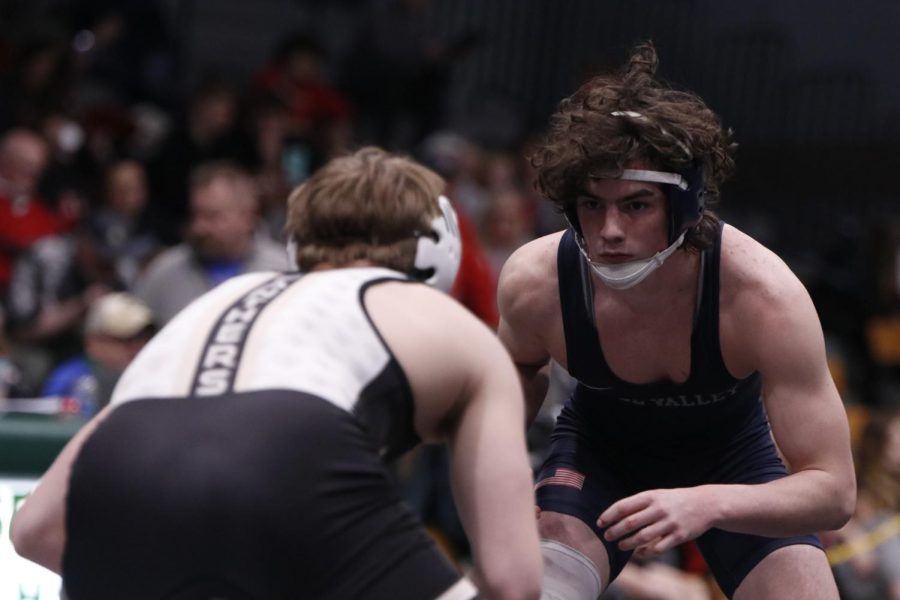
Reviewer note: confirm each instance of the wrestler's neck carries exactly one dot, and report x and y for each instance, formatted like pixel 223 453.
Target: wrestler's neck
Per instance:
pixel 675 278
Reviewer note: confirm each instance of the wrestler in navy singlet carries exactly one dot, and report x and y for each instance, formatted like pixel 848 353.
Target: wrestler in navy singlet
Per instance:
pixel 625 438
pixel 247 457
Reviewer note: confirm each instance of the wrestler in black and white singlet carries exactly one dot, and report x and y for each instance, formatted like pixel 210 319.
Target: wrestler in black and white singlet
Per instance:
pixel 257 423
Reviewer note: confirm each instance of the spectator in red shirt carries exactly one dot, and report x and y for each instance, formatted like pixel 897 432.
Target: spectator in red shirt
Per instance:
pixel 319 114
pixel 24 216
pixel 474 286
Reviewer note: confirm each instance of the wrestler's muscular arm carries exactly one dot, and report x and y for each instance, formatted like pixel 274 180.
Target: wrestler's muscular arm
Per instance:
pixel 38 530
pixel 768 324
pixel 530 315
pixel 467 394
pixel 785 343
pixel 492 479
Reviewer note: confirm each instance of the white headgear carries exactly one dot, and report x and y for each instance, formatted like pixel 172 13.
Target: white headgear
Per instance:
pixel 438 250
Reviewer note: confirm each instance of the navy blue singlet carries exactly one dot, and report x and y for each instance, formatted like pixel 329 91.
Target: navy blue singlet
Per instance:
pixel 614 438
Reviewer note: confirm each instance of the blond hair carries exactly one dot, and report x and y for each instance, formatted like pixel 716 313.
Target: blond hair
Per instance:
pixel 368 205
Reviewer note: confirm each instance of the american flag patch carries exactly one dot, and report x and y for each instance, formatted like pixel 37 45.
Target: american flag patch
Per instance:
pixel 563 477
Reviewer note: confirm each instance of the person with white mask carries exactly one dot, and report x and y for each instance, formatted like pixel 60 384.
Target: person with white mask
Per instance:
pixel 702 408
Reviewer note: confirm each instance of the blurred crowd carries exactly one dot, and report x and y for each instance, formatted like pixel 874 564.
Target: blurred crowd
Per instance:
pixel 112 180
pixel 123 197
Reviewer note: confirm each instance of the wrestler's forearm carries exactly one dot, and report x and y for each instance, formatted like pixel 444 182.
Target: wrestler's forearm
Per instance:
pixel 805 502
pixel 492 484
pixel 38 530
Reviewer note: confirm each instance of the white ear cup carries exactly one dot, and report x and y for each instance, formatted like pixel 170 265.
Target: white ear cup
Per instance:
pixel 440 257
pixel 438 252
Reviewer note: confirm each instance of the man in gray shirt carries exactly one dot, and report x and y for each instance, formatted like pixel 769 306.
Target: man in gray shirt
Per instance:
pixel 220 242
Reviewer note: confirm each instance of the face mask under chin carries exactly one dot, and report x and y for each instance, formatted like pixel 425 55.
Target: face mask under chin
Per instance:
pixel 627 275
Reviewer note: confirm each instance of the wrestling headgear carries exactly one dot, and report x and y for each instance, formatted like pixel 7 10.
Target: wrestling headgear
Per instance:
pixel 684 206
pixel 438 250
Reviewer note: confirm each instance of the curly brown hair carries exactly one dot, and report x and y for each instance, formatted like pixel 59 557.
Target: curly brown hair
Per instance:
pixel 673 130
pixel 368 205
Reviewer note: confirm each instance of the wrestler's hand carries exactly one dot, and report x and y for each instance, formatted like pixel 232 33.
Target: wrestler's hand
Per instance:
pixel 651 522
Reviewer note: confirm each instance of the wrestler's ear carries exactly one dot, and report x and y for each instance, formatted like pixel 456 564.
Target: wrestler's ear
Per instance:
pixel 686 204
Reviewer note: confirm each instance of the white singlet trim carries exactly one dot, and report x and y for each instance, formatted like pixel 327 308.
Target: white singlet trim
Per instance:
pixel 461 590
pixel 314 337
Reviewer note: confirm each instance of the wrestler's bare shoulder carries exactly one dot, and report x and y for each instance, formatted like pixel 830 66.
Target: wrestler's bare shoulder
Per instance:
pixel 533 265
pixel 759 297
pixel 750 270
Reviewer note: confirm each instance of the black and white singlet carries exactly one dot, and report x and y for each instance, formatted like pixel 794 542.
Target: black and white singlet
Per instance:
pixel 245 457
pixel 276 331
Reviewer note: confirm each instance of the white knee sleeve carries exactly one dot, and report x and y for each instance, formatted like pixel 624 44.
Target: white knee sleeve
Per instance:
pixel 568 574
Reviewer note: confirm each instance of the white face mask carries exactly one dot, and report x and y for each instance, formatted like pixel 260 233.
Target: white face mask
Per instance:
pixel 625 275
